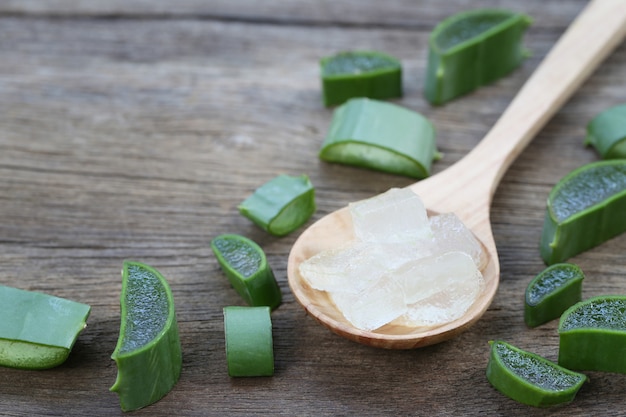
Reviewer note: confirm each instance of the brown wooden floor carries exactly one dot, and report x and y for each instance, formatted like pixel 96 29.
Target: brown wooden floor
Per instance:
pixel 133 131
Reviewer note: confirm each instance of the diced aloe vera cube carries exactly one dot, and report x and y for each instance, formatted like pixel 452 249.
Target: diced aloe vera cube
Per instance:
pixel 281 205
pixel 551 292
pixel 245 265
pixel 249 342
pixel 584 209
pixel 592 335
pixel 381 136
pixel 37 331
pixel 148 352
pixel 607 132
pixel 353 74
pixel 529 378
pixel 472 49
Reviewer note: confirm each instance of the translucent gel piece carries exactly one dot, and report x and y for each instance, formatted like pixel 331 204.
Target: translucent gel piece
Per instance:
pixel 396 215
pixel 403 265
pixel 450 235
pixel 448 296
pixel 344 269
pixel 373 307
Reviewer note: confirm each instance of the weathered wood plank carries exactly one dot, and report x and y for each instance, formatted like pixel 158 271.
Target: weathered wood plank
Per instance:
pixel 395 13
pixel 132 131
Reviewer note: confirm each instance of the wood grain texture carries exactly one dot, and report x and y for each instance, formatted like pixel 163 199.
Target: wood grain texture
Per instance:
pixel 133 131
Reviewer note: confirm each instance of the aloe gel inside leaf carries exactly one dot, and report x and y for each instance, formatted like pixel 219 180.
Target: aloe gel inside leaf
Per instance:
pixel 535 371
pixel 148 308
pixel 588 188
pixel 468 28
pixel 356 63
pixel 601 314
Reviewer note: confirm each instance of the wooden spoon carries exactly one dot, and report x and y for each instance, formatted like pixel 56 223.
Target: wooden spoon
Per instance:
pixel 467 187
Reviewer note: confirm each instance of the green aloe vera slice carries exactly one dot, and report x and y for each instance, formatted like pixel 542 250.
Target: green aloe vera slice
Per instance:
pixel 38 331
pixel 249 343
pixel 531 379
pixel 551 292
pixel 592 335
pixel 584 209
pixel 148 352
pixel 472 49
pixel 245 265
pixel 360 74
pixel 281 205
pixel 381 136
pixel 607 132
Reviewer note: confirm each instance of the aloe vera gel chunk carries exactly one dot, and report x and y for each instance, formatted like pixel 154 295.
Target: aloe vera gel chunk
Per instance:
pixel 381 136
pixel 607 132
pixel 360 74
pixel 148 352
pixel 38 331
pixel 249 342
pixel 584 209
pixel 472 49
pixel 592 335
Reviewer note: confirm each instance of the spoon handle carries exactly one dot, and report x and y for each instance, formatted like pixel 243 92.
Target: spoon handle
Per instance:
pixel 598 29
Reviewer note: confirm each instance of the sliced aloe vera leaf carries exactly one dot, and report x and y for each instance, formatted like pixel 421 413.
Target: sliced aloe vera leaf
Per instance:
pixel 360 74
pixel 472 49
pixel 381 136
pixel 281 205
pixel 245 265
pixel 249 343
pixel 148 352
pixel 592 335
pixel 584 209
pixel 529 378
pixel 607 132
pixel 551 292
pixel 37 330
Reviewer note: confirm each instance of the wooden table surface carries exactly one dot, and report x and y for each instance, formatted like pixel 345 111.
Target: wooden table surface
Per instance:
pixel 132 130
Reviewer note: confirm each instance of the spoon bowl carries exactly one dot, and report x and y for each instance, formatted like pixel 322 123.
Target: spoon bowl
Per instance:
pixel 334 230
pixel 467 187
